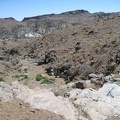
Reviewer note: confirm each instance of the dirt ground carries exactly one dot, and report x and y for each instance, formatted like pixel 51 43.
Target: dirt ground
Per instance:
pixel 17 110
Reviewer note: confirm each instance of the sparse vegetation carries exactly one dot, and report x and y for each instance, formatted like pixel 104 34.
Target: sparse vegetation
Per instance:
pixel 67 81
pixel 25 76
pixel 77 47
pixel 111 67
pixel 25 70
pixel 21 77
pixel 52 79
pixel 1 79
pixel 71 53
pixel 44 80
pixel 39 77
pixel 16 68
pixel 19 70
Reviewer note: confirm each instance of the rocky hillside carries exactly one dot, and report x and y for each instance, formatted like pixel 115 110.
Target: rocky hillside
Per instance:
pixel 74 52
pixel 79 50
pixel 69 70
pixel 41 25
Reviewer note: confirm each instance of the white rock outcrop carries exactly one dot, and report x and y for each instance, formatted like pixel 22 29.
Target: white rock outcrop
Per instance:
pixel 40 99
pixel 98 105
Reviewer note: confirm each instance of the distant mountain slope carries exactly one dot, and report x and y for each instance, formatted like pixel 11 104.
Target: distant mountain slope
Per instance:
pixel 41 25
pixel 79 50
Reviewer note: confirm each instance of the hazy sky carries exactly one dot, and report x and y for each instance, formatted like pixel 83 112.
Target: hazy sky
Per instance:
pixel 27 8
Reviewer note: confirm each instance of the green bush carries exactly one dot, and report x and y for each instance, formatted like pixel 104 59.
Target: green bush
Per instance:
pixel 25 76
pixel 45 81
pixel 67 81
pixel 1 80
pixel 25 70
pixel 39 77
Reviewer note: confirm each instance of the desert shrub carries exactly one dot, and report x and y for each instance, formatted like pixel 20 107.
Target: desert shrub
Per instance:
pixel 16 68
pixel 45 80
pixel 110 32
pixel 25 76
pixel 77 47
pixel 1 80
pixel 52 79
pixel 13 52
pixel 39 77
pixel 67 81
pixel 25 70
pixel 19 70
pixel 111 67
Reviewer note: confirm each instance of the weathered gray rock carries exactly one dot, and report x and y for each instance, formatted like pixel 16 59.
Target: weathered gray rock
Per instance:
pixel 109 78
pixel 6 93
pixel 98 105
pixel 111 90
pixel 40 99
pixel 93 75
pixel 96 77
pixel 80 85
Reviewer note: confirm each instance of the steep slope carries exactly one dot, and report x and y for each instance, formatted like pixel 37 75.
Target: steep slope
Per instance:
pixel 77 51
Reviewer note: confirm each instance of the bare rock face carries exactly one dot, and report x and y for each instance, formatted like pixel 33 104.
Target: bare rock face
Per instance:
pixel 40 99
pixel 98 105
pixel 5 92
